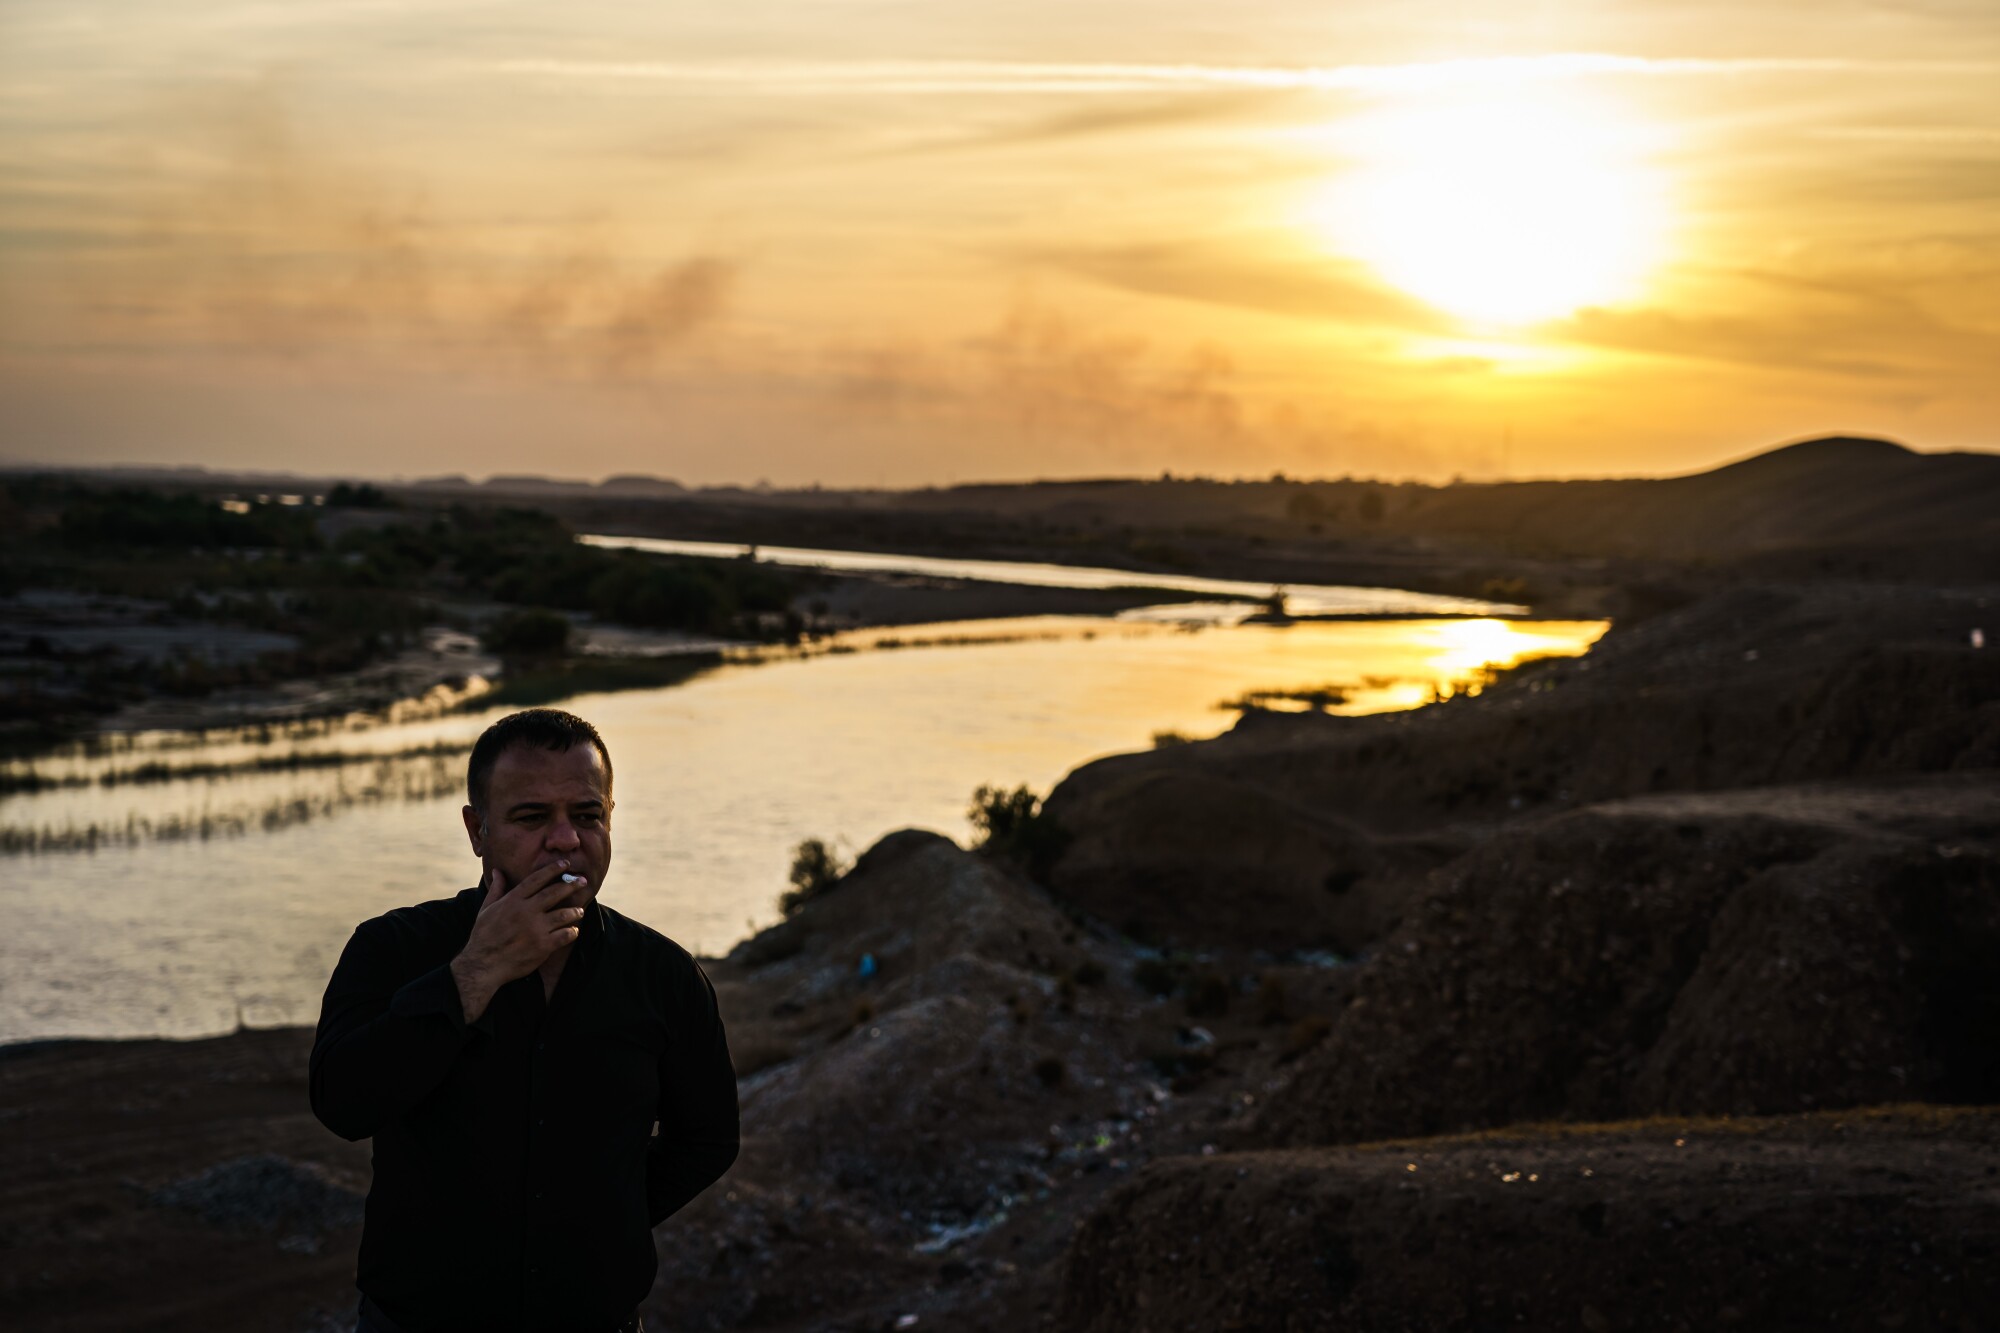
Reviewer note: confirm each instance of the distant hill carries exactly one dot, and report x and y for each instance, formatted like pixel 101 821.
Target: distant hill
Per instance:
pixel 1833 492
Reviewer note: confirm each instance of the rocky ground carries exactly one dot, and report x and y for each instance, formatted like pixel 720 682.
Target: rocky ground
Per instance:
pixel 1649 990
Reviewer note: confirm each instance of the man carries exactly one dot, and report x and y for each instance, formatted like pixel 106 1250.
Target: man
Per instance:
pixel 509 1050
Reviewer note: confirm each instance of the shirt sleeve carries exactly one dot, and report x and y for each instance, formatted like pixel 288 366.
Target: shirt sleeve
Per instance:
pixel 385 1041
pixel 698 1135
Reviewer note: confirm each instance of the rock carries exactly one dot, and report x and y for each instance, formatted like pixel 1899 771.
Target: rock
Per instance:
pixel 265 1193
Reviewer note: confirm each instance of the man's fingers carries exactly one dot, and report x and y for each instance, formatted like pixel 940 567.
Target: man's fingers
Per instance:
pixel 548 880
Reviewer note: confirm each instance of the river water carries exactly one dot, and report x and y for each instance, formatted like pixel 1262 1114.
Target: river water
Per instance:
pixel 187 904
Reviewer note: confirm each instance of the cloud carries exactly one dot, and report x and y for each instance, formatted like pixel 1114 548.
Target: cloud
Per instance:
pixel 1820 326
pixel 1174 112
pixel 905 77
pixel 1325 291
pixel 1046 394
pixel 1948 135
pixel 259 243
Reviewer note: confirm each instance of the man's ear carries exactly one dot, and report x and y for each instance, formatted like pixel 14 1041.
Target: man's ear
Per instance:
pixel 475 829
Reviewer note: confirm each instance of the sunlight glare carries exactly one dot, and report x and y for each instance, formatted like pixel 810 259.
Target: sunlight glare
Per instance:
pixel 1504 208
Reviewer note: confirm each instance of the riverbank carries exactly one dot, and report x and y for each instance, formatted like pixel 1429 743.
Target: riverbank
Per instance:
pixel 1702 1022
pixel 1649 990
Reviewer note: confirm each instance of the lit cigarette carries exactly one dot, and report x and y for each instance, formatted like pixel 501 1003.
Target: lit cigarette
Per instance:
pixel 571 879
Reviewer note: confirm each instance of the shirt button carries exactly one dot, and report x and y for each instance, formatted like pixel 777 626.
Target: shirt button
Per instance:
pixel 540 1123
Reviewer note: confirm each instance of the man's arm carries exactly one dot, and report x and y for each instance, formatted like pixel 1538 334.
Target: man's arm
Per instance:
pixel 385 1042
pixel 698 1124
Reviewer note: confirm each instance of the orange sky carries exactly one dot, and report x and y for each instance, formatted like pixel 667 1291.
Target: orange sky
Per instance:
pixel 881 243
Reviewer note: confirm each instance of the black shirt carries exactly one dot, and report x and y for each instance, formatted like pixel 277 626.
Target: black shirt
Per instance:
pixel 517 1175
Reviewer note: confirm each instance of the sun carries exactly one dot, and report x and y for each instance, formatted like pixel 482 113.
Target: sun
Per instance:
pixel 1504 208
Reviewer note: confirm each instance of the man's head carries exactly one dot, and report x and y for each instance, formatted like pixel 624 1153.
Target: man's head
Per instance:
pixel 538 790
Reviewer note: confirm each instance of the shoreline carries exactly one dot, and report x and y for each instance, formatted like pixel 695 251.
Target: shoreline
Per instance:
pixel 448 671
pixel 1048 1087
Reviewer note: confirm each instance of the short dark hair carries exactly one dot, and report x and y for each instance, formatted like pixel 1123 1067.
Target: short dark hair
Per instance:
pixel 543 728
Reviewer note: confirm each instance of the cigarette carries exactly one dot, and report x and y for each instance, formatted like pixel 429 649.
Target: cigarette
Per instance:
pixel 571 879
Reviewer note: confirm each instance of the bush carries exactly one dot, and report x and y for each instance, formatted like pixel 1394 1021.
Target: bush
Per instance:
pixel 816 868
pixel 531 633
pixel 357 495
pixel 1012 824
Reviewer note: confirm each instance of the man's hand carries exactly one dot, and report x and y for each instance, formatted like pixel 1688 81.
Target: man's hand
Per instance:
pixel 515 933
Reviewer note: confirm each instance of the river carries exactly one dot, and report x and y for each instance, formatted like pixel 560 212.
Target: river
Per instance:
pixel 185 905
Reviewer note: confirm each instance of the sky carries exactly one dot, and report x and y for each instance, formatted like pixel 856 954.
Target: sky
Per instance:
pixel 875 242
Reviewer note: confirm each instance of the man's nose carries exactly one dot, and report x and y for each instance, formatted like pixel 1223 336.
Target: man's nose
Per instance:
pixel 562 836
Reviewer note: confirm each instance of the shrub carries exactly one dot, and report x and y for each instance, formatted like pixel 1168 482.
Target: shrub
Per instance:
pixel 357 495
pixel 1012 825
pixel 530 633
pixel 816 867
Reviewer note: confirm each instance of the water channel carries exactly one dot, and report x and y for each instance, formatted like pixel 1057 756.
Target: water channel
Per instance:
pixel 221 891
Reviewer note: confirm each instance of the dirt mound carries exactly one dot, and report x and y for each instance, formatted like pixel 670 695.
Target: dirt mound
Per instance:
pixel 912 901
pixel 914 1062
pixel 1187 856
pixel 909 1045
pixel 1625 962
pixel 1327 825
pixel 1868 1221
pixel 266 1193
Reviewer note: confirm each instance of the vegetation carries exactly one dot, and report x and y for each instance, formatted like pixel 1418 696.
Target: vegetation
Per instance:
pixel 358 495
pixel 816 867
pixel 533 683
pixel 1318 698
pixel 341 594
pixel 531 633
pixel 1013 826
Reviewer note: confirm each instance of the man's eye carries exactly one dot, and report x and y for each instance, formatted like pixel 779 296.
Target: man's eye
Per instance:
pixel 591 821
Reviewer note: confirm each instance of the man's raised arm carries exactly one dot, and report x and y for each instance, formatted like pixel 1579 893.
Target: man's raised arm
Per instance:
pixel 386 1039
pixel 383 1042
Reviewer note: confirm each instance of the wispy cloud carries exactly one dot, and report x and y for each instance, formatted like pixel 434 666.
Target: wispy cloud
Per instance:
pixel 1949 135
pixel 276 249
pixel 880 77
pixel 1319 291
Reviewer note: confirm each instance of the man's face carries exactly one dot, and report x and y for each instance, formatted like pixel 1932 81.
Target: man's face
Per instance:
pixel 544 806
